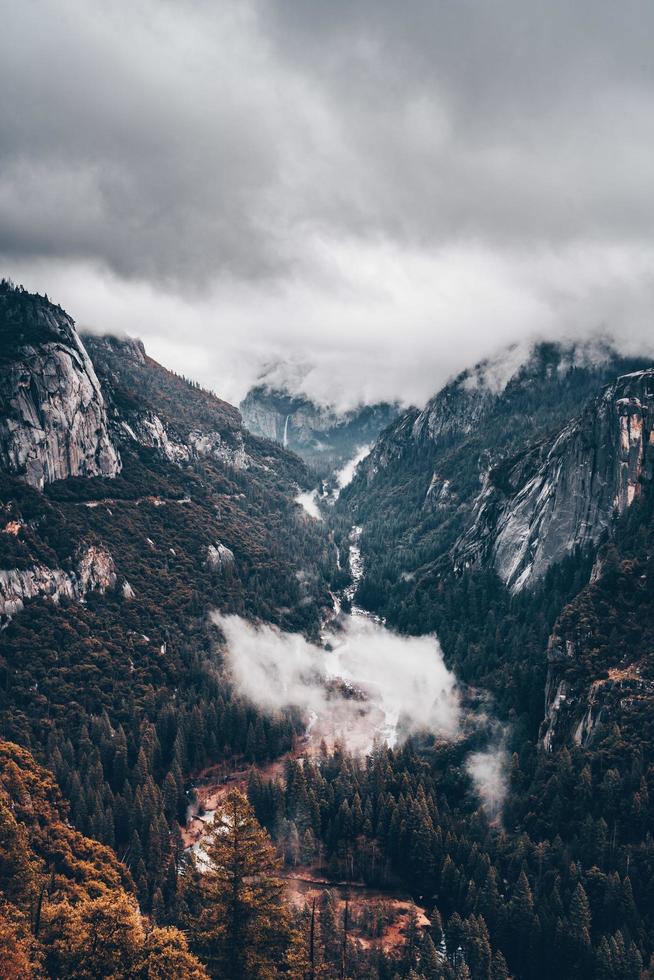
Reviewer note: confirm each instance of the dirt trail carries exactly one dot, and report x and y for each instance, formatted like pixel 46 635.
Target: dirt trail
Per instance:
pixel 377 916
pixel 134 501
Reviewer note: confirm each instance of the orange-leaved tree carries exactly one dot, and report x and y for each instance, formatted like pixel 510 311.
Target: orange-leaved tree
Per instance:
pixel 238 920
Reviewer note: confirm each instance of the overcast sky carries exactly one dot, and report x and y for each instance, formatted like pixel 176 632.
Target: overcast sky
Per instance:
pixel 381 192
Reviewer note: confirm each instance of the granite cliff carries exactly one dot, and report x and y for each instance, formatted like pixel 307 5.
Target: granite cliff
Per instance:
pixel 501 469
pixel 53 420
pixel 565 492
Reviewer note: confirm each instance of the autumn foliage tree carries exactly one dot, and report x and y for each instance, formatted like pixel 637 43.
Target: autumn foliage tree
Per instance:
pixel 66 902
pixel 238 920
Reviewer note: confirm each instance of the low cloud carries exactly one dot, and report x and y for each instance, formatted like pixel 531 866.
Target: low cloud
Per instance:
pixel 367 683
pixel 385 199
pixel 368 321
pixel 308 501
pixel 488 771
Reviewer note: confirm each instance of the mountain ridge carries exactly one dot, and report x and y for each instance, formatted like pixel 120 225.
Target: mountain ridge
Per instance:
pixel 564 493
pixel 111 670
pixel 114 675
pixel 423 481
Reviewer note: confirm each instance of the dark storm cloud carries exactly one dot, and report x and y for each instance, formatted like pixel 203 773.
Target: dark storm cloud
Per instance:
pixel 128 136
pixel 509 119
pixel 351 183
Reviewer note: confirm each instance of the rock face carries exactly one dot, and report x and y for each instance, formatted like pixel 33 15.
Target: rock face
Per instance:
pixel 16 586
pixel 600 669
pixel 232 453
pixel 564 493
pixel 460 411
pixel 572 710
pixel 322 436
pixel 147 429
pixel 456 482
pixel 219 557
pixel 95 572
pixel 53 421
pixel 125 369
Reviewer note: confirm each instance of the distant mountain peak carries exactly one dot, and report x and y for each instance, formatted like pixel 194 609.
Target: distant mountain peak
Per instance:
pixel 324 437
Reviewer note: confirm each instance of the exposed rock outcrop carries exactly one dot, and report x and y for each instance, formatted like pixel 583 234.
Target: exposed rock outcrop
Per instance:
pixel 16 586
pixel 456 410
pixel 94 572
pixel 576 703
pixel 148 430
pixel 232 453
pixel 599 656
pixel 220 558
pixel 53 421
pixel 564 493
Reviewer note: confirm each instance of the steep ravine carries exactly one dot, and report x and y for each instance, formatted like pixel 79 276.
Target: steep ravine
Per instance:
pixel 306 882
pixel 219 779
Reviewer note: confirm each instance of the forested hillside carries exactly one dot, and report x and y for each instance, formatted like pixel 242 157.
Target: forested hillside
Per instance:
pixel 67 905
pixel 569 664
pixel 110 673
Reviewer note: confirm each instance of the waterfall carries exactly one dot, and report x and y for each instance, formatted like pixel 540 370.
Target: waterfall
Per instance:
pixel 285 440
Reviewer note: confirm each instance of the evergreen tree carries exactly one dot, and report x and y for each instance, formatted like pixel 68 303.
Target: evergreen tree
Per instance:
pixel 244 930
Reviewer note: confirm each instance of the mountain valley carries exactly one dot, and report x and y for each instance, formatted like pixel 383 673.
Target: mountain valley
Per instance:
pixel 178 630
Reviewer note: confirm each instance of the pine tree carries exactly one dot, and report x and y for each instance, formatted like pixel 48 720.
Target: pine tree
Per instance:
pixel 524 923
pixel 603 962
pixel 580 916
pixel 430 965
pixel 243 931
pixel 20 879
pixel 522 905
pixel 633 963
pixel 499 969
pixel 411 941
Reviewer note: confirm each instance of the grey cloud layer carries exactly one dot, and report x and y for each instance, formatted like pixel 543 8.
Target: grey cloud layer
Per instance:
pixel 358 183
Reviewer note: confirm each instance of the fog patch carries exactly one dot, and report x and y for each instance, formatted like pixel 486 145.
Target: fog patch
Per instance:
pixel 367 682
pixel 308 500
pixel 345 475
pixel 488 771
